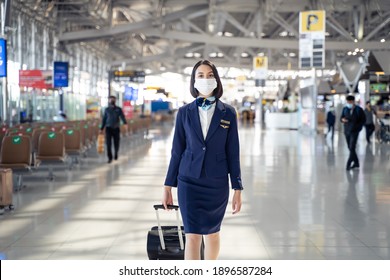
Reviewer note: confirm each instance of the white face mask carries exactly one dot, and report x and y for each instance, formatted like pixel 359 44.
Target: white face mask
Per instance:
pixel 205 86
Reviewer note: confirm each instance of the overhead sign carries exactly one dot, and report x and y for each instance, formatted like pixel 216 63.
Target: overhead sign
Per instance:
pixel 60 74
pixel 3 57
pixel 312 21
pixel 312 39
pixel 42 79
pixel 131 94
pixel 260 62
pixel 260 66
pixel 129 76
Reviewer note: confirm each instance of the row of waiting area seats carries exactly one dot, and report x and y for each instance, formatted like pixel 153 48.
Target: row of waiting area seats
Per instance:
pixel 27 147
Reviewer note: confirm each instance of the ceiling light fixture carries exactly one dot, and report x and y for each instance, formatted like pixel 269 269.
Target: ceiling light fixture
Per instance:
pixel 211 27
pixel 283 34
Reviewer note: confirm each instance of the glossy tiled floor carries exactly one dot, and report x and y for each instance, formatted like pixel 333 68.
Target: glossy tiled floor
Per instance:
pixel 299 203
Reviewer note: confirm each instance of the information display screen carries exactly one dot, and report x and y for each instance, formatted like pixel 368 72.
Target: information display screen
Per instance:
pixel 60 74
pixel 378 88
pixel 131 94
pixel 129 76
pixel 3 57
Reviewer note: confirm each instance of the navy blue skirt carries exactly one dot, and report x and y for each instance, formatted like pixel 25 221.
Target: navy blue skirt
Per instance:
pixel 202 203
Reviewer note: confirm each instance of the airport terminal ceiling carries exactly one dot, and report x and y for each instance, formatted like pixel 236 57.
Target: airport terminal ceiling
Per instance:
pixel 169 35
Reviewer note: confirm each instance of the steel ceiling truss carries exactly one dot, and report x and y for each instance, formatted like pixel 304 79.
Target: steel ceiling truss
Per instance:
pixel 138 32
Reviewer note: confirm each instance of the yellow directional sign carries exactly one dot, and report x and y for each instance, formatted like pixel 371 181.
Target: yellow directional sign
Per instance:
pixel 312 39
pixel 312 21
pixel 260 62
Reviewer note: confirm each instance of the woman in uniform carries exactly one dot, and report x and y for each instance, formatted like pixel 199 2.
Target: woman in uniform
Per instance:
pixel 205 150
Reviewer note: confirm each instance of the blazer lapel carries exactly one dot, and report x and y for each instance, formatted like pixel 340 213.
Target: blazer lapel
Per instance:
pixel 195 120
pixel 216 119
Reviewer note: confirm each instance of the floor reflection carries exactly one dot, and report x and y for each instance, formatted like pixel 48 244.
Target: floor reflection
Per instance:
pixel 299 202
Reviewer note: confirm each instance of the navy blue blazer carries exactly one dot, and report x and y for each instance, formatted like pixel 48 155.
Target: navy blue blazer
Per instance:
pixel 356 120
pixel 218 154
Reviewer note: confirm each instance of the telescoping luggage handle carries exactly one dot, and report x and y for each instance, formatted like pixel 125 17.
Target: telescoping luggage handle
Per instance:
pixel 160 231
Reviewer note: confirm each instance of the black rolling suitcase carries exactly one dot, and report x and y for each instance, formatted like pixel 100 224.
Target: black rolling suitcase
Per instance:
pixel 167 242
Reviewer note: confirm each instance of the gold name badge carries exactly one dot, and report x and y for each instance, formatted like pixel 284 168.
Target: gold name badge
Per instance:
pixel 223 121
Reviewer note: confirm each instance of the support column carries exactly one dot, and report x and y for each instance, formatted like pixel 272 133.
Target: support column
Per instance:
pixel 61 95
pixel 44 49
pixel 55 41
pixel 109 83
pixel 91 74
pixel 308 108
pixel 365 95
pixel 19 30
pixel 71 74
pixel 33 54
pixel 84 66
pixel 352 72
pixel 78 59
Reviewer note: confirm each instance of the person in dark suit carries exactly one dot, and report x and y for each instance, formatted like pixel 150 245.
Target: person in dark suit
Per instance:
pixel 205 150
pixel 111 121
pixel 330 120
pixel 354 119
pixel 370 125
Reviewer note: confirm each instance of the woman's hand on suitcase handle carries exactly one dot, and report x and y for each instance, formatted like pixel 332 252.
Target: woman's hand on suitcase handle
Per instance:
pixel 167 197
pixel 236 203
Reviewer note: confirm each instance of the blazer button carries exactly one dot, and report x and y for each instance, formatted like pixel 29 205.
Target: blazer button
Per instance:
pixel 204 148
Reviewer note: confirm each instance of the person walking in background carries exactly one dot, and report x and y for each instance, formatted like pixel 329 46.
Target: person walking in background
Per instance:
pixel 205 151
pixel 111 121
pixel 354 119
pixel 370 125
pixel 330 120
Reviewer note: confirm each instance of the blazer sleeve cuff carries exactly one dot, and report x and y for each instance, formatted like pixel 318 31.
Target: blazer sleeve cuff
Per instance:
pixel 170 183
pixel 236 183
